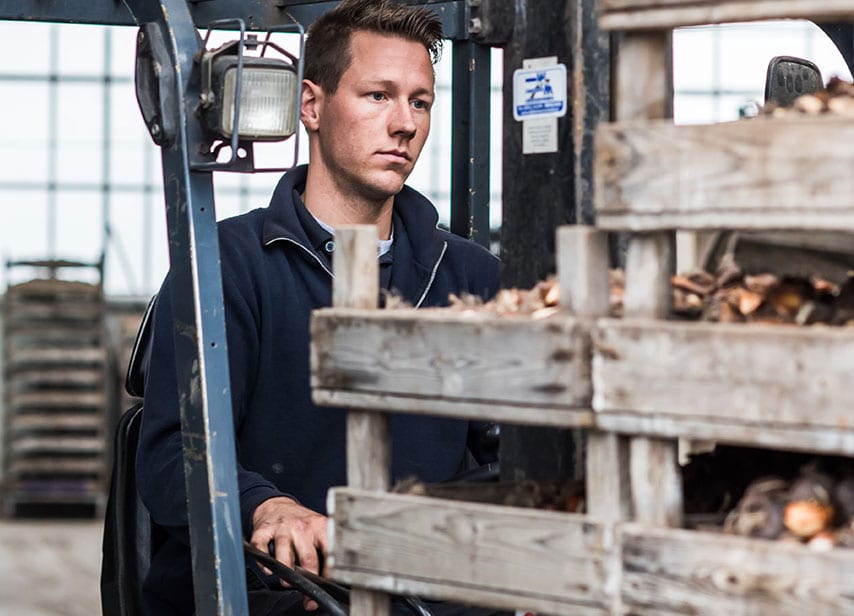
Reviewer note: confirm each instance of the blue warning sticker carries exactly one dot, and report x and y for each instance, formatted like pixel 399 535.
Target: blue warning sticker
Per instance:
pixel 539 92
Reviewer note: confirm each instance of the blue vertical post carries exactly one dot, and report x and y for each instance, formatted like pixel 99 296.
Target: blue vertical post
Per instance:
pixel 201 350
pixel 470 149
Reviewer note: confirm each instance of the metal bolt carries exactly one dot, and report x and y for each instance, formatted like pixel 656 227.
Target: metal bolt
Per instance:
pixel 475 25
pixel 155 128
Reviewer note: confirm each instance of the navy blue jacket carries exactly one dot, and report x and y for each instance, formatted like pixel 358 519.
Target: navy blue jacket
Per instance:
pixel 273 277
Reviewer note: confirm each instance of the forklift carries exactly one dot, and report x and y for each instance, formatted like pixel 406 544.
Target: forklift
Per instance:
pixel 175 75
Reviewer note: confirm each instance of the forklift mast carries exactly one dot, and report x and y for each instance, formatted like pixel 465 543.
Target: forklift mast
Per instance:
pixel 169 32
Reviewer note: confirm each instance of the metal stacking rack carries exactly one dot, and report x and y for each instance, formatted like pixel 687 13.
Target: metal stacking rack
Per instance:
pixel 55 359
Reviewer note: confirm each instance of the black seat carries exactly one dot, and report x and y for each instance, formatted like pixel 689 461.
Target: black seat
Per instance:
pixel 127 526
pixel 127 542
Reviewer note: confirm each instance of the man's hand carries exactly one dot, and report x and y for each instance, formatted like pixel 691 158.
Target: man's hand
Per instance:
pixel 297 533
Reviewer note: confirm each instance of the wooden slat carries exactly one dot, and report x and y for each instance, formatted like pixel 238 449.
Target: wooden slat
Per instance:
pixel 647 14
pixel 52 377
pixel 54 286
pixel 52 356
pixel 487 555
pixel 27 312
pixel 52 330
pixel 58 399
pixel 741 382
pixel 460 409
pixel 57 466
pixel 368 445
pixel 56 421
pixel 434 355
pixel 56 444
pixel 687 572
pixel 791 174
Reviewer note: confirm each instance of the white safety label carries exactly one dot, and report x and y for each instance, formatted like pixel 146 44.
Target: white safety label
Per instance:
pixel 539 92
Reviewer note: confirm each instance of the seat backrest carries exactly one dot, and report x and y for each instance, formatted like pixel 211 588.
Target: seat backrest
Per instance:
pixel 127 526
pixel 128 529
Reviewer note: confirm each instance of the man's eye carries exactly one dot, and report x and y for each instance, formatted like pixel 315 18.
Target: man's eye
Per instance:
pixel 377 96
pixel 420 105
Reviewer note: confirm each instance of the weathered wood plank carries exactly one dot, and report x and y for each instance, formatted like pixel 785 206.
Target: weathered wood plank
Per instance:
pixel 58 399
pixel 745 175
pixel 728 373
pixel 51 356
pixel 431 354
pixel 647 14
pixel 688 572
pixel 458 408
pixel 753 434
pixel 494 556
pixel 368 446
pixel 57 466
pixel 582 264
pixel 52 377
pixel 608 482
pixel 643 88
pixel 56 421
pixel 56 445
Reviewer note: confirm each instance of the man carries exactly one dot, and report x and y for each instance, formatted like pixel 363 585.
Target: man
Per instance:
pixel 366 103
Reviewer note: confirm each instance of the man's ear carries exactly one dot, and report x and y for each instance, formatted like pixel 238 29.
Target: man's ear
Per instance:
pixel 310 105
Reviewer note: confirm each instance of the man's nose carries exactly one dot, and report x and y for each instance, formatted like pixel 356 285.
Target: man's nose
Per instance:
pixel 402 121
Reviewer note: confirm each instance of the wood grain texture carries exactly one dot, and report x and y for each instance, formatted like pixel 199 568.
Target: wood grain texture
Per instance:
pixel 437 355
pixel 688 572
pixel 368 447
pixel 493 556
pixel 521 413
pixel 643 87
pixel 608 483
pixel 762 173
pixel 729 373
pixel 647 14
pixel 656 482
pixel 582 264
pixel 368 450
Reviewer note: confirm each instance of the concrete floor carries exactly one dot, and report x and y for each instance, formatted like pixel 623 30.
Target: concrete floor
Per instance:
pixel 50 567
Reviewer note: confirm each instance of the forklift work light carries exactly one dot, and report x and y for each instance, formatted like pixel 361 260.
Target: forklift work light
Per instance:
pixel 268 96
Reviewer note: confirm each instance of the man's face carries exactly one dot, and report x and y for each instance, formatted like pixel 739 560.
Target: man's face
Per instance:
pixel 371 130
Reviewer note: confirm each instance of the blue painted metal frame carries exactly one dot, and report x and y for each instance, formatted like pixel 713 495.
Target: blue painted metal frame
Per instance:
pixel 201 350
pixel 210 462
pixel 258 14
pixel 470 141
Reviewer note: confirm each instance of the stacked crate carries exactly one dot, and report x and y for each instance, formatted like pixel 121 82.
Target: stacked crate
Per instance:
pixel 655 381
pixel 55 361
pixel 639 384
pixel 436 362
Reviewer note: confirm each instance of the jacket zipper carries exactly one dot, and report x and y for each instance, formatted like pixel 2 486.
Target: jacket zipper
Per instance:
pixel 331 275
pixel 432 275
pixel 307 251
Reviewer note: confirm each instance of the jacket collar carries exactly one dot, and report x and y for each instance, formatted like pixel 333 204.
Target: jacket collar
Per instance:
pixel 418 247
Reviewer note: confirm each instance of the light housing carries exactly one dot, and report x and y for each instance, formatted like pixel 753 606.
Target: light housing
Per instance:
pixel 269 97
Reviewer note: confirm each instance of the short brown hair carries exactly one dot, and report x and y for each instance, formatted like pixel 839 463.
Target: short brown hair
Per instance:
pixel 327 47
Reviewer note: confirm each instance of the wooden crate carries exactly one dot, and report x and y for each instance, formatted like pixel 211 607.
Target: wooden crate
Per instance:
pixel 502 557
pixel 791 173
pixel 519 370
pixel 768 385
pixel 672 571
pixel 438 362
pixel 649 14
pixel 657 380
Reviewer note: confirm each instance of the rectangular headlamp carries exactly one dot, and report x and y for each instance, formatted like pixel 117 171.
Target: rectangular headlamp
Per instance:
pixel 269 98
